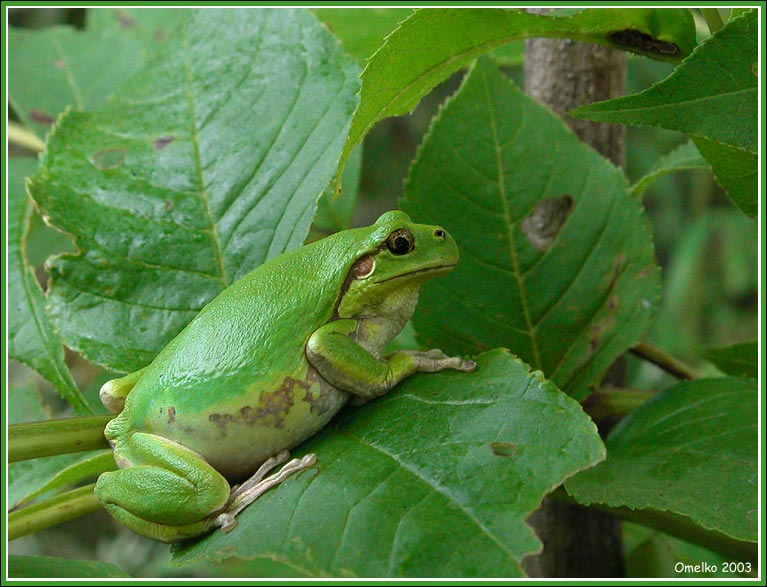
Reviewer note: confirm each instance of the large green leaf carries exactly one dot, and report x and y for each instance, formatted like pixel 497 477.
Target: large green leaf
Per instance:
pixel 435 479
pixel 735 170
pixel 434 43
pixel 569 305
pixel 207 163
pixel 46 567
pixel 691 450
pixel 740 360
pixel 31 339
pixel 682 158
pixel 57 67
pixel 712 94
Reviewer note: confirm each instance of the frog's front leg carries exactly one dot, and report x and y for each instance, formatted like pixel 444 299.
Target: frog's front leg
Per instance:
pixel 348 366
pixel 165 491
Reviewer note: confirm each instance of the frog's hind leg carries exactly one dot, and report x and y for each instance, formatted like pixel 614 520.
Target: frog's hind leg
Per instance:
pixel 165 490
pixel 258 484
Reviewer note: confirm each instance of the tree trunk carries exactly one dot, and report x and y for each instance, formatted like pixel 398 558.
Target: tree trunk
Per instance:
pixel 563 74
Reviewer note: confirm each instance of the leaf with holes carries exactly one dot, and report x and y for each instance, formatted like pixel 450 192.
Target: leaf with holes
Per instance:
pixel 434 43
pixel 557 258
pixel 31 339
pixel 387 499
pixel 691 450
pixel 207 163
pixel 712 94
pixel 59 66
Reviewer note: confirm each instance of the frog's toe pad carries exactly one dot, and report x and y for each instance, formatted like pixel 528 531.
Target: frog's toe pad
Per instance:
pixel 226 521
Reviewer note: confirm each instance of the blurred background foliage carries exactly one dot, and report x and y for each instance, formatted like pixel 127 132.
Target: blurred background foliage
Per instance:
pixel 706 247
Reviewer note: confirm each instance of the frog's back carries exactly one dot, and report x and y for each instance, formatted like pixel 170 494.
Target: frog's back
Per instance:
pixel 239 368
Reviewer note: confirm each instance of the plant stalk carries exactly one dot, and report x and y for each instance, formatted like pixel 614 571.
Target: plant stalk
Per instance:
pixel 669 364
pixel 52 511
pixel 23 137
pixel 713 19
pixel 53 437
pixel 615 402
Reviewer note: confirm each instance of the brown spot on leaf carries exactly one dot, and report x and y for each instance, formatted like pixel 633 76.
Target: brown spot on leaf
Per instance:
pixel 168 205
pixel 58 64
pixel 160 35
pixel 40 116
pixel 634 39
pixel 163 142
pixel 617 264
pixel 125 20
pixel 109 158
pixel 755 68
pixel 171 414
pixel 503 449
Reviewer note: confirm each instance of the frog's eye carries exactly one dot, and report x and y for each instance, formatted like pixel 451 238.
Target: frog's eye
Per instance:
pixel 400 242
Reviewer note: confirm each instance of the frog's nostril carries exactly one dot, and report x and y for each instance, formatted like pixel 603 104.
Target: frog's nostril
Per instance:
pixel 439 233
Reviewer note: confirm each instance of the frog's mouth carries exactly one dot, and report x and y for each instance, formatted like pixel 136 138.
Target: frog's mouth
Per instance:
pixel 425 270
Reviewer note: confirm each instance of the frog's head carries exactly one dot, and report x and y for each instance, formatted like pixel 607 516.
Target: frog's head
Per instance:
pixel 398 255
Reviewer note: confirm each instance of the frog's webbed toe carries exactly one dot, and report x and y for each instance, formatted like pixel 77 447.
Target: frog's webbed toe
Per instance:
pixel 258 484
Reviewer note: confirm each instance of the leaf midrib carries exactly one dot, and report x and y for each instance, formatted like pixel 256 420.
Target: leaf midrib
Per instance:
pixel 531 328
pixel 200 192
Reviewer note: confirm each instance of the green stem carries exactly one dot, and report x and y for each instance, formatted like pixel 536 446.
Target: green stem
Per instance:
pixel 52 511
pixel 713 19
pixel 53 437
pixel 671 365
pixel 676 525
pixel 615 402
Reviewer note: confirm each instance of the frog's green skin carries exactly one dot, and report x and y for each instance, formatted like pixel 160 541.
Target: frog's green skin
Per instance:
pixel 264 366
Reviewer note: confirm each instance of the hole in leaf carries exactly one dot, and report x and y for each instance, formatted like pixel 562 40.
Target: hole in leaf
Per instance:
pixel 163 142
pixel 503 449
pixel 544 223
pixel 635 39
pixel 109 158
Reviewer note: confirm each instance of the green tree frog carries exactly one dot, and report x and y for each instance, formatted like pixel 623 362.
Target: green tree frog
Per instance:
pixel 261 368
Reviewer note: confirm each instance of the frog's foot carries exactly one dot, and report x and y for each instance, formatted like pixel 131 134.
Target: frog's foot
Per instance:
pixel 435 360
pixel 257 485
pixel 258 476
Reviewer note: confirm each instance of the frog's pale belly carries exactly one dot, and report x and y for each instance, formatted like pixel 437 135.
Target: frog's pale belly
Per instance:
pixel 236 440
